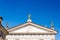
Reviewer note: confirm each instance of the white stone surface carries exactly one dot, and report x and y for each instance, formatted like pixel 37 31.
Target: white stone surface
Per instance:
pixel 29 29
pixel 30 37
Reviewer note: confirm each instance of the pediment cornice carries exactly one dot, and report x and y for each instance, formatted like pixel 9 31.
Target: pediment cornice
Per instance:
pixel 32 24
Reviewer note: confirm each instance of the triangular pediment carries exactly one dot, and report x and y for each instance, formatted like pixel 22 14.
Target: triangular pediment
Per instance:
pixel 30 28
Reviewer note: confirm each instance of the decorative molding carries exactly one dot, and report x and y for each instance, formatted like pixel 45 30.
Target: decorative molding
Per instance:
pixel 32 24
pixel 31 33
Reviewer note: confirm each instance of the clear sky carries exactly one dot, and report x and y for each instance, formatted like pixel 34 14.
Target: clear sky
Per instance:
pixel 42 12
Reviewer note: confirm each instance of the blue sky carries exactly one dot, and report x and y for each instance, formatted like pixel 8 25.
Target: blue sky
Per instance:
pixel 42 12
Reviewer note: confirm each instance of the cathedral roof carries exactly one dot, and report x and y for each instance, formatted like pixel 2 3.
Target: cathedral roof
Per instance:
pixel 34 26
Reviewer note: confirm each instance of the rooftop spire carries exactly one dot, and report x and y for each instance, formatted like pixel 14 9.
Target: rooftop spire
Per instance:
pixel 29 19
pixel 7 25
pixel 52 25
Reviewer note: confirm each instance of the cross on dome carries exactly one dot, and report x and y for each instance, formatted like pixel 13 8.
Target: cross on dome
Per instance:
pixel 29 18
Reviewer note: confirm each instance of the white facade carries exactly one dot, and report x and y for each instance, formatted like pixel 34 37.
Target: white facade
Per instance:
pixel 30 31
